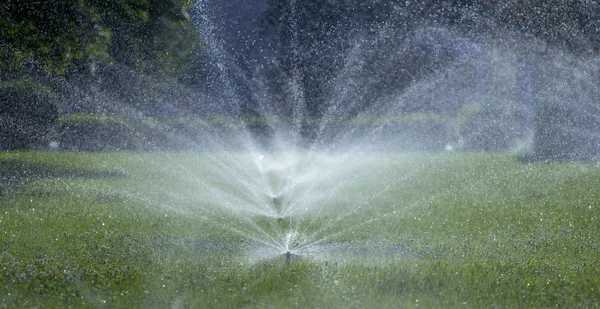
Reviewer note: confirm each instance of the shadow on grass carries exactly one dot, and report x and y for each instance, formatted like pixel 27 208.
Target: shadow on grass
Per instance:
pixel 17 173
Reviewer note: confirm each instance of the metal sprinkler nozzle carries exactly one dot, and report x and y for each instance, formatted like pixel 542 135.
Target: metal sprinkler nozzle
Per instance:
pixel 288 257
pixel 276 201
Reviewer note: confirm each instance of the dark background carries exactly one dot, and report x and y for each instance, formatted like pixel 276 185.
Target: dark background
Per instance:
pixel 291 59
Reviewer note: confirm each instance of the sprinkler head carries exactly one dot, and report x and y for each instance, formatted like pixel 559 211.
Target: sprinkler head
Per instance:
pixel 277 202
pixel 288 257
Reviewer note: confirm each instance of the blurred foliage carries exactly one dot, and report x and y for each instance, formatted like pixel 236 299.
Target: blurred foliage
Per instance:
pixel 155 36
pixel 88 132
pixel 565 132
pixel 57 34
pixel 65 36
pixel 464 114
pixel 491 129
pixel 91 117
pixel 104 132
pixel 318 34
pixel 27 112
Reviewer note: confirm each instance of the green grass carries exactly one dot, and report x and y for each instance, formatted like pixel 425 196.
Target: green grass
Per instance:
pixel 437 230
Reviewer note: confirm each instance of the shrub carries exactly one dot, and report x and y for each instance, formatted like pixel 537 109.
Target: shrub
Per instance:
pixel 566 132
pixel 418 132
pixel 28 111
pixel 405 132
pixel 93 132
pixel 186 133
pixel 89 132
pixel 490 130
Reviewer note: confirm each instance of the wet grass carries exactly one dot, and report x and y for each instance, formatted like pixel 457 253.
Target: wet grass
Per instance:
pixel 428 230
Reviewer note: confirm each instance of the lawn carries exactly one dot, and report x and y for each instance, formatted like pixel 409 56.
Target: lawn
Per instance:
pixel 200 230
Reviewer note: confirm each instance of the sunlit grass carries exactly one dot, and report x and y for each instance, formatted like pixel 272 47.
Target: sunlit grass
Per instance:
pixel 432 230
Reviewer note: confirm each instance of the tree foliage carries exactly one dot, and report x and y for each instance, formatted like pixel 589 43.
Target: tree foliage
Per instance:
pixel 155 36
pixel 64 36
pixel 56 34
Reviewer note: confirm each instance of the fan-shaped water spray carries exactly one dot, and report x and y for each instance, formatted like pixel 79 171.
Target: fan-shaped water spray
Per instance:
pixel 295 181
pixel 299 134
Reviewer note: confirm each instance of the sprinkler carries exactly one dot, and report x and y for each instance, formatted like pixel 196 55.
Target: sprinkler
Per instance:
pixel 277 203
pixel 289 245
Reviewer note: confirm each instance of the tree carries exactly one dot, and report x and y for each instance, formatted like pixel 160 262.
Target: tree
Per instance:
pixel 66 36
pixel 101 45
pixel 154 36
pixel 57 35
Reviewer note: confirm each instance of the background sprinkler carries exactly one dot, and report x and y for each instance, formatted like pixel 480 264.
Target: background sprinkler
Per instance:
pixel 288 257
pixel 277 203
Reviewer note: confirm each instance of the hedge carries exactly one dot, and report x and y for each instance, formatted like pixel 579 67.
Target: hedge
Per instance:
pixel 89 132
pixel 28 111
